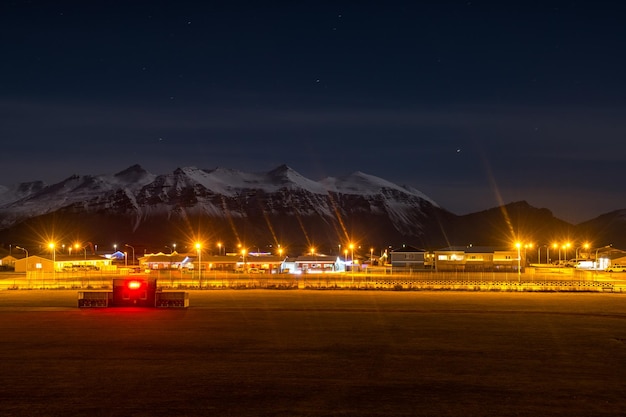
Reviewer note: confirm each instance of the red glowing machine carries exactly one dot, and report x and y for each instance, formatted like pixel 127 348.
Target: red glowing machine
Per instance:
pixel 134 292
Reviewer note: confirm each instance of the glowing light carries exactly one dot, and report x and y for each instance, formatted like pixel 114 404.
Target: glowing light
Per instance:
pixel 134 285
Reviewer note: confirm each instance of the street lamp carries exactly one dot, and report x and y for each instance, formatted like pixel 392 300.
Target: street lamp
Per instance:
pixel 527 246
pixel 351 256
pixel 566 246
pixel 597 264
pixel 25 251
pixel 586 246
pixel 219 248
pixel 539 253
pixel 54 260
pixel 371 256
pixel 133 252
pixel 243 258
pixel 518 245
pixel 77 246
pixel 199 249
pixel 555 246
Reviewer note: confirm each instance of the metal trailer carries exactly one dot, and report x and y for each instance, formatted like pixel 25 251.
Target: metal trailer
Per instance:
pixel 134 292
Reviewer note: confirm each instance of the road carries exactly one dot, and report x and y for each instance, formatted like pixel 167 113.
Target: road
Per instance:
pixel 316 353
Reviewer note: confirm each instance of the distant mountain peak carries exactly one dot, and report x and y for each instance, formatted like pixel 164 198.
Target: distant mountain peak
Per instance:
pixel 134 173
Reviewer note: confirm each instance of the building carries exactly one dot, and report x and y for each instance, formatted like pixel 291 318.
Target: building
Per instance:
pixel 477 259
pixel 7 262
pixel 34 264
pixel 257 263
pixel 312 264
pixel 162 260
pixel 63 263
pixel 410 257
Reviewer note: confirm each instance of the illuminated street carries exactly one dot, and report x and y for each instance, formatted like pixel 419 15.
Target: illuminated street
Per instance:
pixel 313 353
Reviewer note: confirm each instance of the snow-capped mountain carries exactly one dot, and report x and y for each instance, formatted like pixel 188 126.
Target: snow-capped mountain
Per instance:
pixel 277 198
pixel 264 209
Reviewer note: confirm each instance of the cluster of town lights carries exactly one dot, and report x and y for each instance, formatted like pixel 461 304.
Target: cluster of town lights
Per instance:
pixel 348 251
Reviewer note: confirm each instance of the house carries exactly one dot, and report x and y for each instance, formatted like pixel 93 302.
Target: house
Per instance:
pixel 477 259
pixel 263 263
pixel 34 264
pixel 63 263
pixel 86 262
pixel 162 260
pixel 7 261
pixel 411 258
pixel 311 264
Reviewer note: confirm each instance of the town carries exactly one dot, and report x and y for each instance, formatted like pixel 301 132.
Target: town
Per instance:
pixel 200 265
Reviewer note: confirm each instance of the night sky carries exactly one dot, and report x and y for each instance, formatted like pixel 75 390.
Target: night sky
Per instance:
pixel 474 103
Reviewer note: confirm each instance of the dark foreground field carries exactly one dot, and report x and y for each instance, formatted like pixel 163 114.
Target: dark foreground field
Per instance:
pixel 307 353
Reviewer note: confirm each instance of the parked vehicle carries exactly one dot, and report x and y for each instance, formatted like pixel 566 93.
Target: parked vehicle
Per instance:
pixel 616 268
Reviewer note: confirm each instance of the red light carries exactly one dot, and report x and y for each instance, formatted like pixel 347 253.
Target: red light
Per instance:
pixel 134 285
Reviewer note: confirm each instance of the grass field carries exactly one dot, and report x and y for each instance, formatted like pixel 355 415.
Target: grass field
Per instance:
pixel 316 353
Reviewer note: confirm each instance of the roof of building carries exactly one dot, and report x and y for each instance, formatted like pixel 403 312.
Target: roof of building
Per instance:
pixel 407 248
pixel 474 249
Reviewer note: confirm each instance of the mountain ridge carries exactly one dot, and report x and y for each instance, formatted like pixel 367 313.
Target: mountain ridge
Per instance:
pixel 271 206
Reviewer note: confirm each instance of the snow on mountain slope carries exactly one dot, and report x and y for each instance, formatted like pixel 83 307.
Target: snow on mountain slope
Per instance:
pixel 365 184
pixel 219 193
pixel 16 192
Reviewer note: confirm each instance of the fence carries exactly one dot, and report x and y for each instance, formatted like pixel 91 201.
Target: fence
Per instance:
pixel 407 280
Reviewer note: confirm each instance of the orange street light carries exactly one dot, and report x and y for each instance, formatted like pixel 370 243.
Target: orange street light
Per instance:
pixel 518 245
pixel 199 250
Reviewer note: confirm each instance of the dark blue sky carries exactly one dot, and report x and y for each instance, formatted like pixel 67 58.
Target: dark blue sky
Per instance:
pixel 474 103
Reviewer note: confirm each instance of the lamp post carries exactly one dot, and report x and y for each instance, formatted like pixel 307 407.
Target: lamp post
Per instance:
pixel 133 252
pixel 26 267
pixel 565 247
pixel 243 258
pixel 77 246
pixel 539 253
pixel 219 248
pixel 596 258
pixel 54 260
pixel 586 246
pixel 21 248
pixel 199 249
pixel 371 256
pixel 526 247
pixel 519 261
pixel 25 251
pixel 351 256
pixel 352 261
